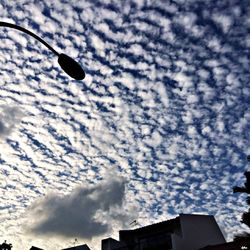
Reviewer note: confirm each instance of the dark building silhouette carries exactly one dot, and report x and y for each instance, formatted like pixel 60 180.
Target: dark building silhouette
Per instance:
pixel 234 245
pixel 81 247
pixel 189 232
pixel 35 248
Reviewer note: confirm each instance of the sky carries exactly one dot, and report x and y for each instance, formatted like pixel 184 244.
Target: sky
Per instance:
pixel 158 127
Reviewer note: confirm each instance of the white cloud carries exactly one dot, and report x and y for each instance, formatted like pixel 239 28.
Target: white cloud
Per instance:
pixel 167 108
pixel 9 118
pixel 224 21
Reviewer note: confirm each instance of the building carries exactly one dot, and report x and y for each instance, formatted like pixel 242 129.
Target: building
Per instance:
pixel 81 247
pixel 185 232
pixel 189 232
pixel 234 245
pixel 35 248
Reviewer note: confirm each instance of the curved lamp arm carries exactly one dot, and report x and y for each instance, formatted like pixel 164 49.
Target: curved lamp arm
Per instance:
pixel 68 64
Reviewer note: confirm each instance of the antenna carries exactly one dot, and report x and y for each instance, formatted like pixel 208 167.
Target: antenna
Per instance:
pixel 134 223
pixel 75 242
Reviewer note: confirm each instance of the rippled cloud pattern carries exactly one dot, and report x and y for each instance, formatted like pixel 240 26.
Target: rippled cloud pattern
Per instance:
pixel 159 126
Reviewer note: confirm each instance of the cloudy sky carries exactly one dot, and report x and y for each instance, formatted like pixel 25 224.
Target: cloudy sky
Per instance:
pixel 159 126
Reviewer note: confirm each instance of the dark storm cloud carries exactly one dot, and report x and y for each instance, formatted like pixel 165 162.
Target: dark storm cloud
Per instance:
pixel 75 214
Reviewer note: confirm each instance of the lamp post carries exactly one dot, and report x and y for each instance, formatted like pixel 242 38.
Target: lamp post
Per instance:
pixel 68 64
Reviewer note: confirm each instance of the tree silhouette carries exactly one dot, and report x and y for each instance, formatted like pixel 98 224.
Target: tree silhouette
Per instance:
pixel 245 219
pixel 5 246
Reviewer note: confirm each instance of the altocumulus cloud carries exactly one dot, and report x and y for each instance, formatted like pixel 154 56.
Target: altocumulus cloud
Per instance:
pixel 86 212
pixel 164 102
pixel 9 117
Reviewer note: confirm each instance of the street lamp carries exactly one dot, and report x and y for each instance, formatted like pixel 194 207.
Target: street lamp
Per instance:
pixel 68 64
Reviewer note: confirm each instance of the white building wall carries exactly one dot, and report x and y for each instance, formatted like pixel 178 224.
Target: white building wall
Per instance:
pixel 197 231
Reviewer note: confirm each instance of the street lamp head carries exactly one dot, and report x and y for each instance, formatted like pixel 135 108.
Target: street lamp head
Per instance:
pixel 71 67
